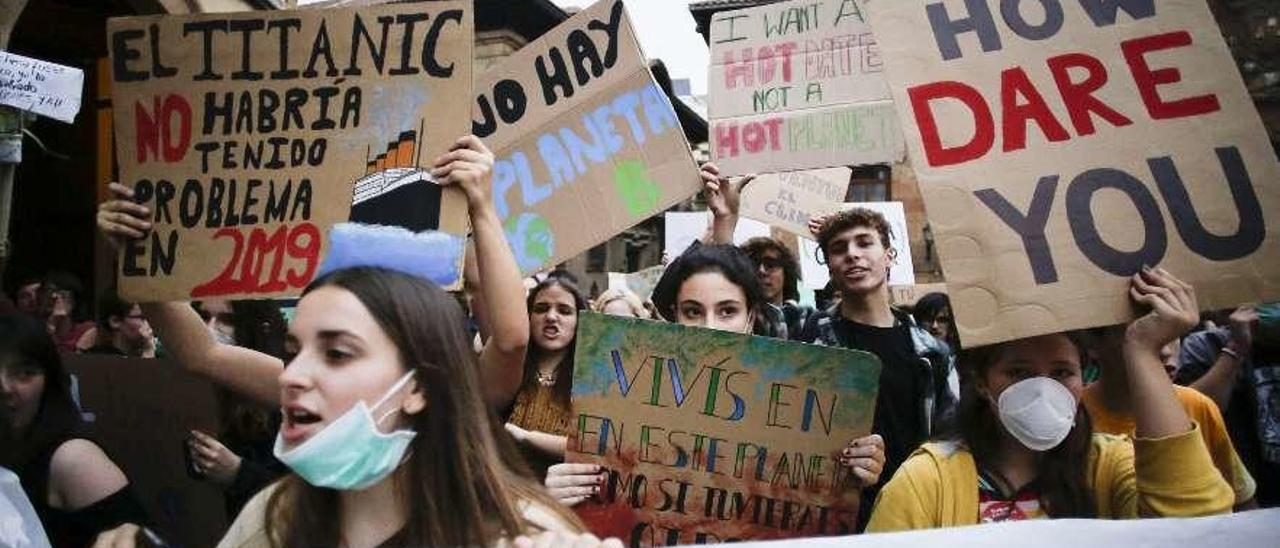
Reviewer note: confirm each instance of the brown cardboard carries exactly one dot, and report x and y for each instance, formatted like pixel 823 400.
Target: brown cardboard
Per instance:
pixel 710 436
pixel 907 295
pixel 1174 102
pixel 575 169
pixel 789 200
pixel 357 132
pixel 798 85
pixel 141 412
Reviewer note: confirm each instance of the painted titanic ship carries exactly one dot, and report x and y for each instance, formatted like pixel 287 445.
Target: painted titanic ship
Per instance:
pixel 395 192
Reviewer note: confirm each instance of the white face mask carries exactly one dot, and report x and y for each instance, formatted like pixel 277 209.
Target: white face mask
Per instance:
pixel 1039 412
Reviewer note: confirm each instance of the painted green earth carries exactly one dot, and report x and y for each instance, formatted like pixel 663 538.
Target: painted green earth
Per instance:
pixel 531 240
pixel 639 194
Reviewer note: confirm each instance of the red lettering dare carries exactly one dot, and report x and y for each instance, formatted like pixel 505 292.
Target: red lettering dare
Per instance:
pixel 1022 105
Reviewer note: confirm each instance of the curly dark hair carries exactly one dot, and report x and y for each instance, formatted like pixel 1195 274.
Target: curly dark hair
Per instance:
pixel 728 260
pixel 853 218
pixel 756 248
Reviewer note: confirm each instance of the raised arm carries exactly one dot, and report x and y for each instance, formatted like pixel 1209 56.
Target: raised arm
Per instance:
pixel 470 166
pixel 1173 311
pixel 1220 379
pixel 185 336
pixel 1173 475
pixel 724 197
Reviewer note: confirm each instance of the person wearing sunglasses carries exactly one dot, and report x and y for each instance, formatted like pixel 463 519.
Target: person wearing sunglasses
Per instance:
pixel 122 330
pixel 779 273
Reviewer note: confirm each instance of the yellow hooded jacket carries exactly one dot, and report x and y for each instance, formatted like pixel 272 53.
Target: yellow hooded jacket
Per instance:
pixel 1172 477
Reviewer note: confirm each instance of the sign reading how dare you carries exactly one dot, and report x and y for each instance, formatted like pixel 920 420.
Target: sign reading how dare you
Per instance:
pixel 709 436
pixel 1061 145
pixel 250 134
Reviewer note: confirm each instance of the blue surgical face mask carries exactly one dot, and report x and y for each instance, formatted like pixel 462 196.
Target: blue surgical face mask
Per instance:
pixel 350 453
pixel 1269 317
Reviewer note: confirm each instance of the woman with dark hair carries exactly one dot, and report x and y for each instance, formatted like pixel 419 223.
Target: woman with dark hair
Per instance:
pixel 75 488
pixel 1024 447
pixel 388 414
pixel 713 286
pixel 710 286
pixel 933 313
pixel 539 416
pixel 378 350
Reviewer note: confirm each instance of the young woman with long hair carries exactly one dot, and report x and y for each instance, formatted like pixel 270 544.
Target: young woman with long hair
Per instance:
pixel 389 425
pixel 386 429
pixel 1024 447
pixel 76 489
pixel 539 415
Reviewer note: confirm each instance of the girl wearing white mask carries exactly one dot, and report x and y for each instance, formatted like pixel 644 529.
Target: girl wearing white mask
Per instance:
pixel 1024 448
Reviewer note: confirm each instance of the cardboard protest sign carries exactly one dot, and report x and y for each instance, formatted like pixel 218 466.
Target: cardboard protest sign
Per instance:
pixel 1060 151
pixel 250 134
pixel 681 228
pixel 140 412
pixel 41 87
pixel 709 436
pixel 587 144
pixel 788 200
pixel 907 295
pixel 903 272
pixel 798 85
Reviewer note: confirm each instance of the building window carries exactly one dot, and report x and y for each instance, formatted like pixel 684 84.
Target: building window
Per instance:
pixel 869 184
pixel 597 258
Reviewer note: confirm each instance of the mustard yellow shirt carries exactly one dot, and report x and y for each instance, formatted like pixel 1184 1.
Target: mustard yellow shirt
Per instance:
pixel 1200 409
pixel 1167 477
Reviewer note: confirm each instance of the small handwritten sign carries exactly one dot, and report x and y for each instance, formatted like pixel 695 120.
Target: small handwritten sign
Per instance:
pixel 41 87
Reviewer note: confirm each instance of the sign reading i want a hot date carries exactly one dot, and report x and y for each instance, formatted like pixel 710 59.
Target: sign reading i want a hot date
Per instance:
pixel 798 85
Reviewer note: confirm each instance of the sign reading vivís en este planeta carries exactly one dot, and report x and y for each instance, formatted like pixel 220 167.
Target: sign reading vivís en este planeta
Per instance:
pixel 1062 148
pixel 710 436
pixel 250 134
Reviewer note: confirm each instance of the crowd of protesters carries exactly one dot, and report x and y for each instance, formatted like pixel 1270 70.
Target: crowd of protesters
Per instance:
pixel 386 413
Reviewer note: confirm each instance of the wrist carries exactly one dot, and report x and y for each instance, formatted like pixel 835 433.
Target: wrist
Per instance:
pixel 1136 350
pixel 1237 348
pixel 1235 355
pixel 480 210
